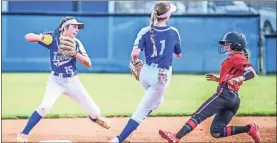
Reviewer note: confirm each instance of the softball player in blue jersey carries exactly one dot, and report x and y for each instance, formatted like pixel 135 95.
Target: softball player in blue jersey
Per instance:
pixel 63 78
pixel 159 42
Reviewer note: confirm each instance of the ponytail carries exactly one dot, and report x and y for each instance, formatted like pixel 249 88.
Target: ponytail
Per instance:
pixel 246 53
pixel 152 24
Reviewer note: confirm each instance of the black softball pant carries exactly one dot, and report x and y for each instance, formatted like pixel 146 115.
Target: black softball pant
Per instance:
pixel 223 105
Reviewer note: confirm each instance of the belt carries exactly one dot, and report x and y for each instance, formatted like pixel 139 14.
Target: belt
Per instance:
pixel 64 75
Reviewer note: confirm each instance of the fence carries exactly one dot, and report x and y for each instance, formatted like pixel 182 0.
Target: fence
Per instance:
pixel 108 40
pixel 270 53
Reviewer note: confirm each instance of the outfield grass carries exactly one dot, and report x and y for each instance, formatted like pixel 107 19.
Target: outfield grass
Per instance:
pixel 119 95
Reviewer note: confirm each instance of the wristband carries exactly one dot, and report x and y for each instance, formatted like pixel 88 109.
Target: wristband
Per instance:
pixel 248 75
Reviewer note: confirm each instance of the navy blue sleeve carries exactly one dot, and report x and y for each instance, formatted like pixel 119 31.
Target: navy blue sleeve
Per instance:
pixel 50 45
pixel 54 35
pixel 46 46
pixel 81 48
pixel 177 47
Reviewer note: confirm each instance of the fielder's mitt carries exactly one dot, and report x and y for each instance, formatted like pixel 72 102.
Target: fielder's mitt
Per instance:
pixel 135 68
pixel 67 46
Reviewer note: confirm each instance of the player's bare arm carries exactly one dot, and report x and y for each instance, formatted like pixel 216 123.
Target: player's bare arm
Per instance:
pixel 135 54
pixel 31 37
pixel 85 60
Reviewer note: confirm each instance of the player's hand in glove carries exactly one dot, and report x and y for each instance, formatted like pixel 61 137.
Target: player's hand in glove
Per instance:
pixel 67 46
pixel 212 77
pixel 135 67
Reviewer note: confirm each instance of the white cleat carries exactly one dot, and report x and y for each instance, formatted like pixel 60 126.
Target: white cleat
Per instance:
pixel 114 140
pixel 22 138
pixel 103 122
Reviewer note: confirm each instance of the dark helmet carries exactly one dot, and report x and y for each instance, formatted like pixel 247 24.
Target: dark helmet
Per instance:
pixel 237 40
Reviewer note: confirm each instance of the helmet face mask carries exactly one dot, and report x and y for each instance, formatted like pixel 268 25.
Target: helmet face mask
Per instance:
pixel 234 40
pixel 224 46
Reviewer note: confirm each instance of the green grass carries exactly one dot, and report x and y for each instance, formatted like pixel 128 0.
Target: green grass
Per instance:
pixel 120 94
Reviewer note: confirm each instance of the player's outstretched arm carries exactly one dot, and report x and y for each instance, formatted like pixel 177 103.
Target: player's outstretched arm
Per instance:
pixel 85 60
pixel 31 37
pixel 212 77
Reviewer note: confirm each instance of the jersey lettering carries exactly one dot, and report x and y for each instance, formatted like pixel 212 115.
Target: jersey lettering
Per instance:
pixel 162 47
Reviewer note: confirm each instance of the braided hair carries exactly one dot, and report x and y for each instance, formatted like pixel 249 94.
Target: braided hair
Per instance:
pixel 160 9
pixel 152 23
pixel 246 53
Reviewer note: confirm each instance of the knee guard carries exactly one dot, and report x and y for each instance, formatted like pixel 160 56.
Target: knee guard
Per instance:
pixel 215 134
pixel 217 131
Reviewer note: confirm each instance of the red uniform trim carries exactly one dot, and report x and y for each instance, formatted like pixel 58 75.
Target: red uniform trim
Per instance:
pixel 192 124
pixel 229 130
pixel 210 101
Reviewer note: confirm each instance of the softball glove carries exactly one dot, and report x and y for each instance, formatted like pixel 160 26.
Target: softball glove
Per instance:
pixel 67 46
pixel 135 68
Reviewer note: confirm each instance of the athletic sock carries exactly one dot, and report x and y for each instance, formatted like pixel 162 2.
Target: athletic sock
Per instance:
pixel 129 128
pixel 188 127
pixel 34 119
pixel 233 130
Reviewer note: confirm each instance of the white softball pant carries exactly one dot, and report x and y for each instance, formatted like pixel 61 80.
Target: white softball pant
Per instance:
pixel 154 91
pixel 71 86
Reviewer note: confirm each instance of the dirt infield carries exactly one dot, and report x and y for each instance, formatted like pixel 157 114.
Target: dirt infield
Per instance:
pixel 83 130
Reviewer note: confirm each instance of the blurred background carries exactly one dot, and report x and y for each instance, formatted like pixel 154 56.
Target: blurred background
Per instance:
pixel 111 28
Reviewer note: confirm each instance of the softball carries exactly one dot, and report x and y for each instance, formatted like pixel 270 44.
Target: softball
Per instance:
pixel 47 40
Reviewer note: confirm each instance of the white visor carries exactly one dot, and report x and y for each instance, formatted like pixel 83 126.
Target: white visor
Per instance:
pixel 173 8
pixel 73 22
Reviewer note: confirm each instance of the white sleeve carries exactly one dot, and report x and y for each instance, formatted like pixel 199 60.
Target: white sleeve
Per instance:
pixel 81 48
pixel 137 43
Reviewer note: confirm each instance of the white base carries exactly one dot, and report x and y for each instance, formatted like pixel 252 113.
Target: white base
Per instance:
pixel 56 141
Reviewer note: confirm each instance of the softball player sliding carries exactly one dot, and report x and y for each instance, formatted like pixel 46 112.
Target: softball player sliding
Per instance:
pixel 224 104
pixel 63 78
pixel 159 42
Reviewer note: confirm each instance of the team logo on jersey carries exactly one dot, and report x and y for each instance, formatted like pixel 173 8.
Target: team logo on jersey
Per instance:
pixel 60 59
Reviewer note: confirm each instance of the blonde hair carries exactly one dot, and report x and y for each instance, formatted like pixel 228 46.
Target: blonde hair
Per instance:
pixel 160 9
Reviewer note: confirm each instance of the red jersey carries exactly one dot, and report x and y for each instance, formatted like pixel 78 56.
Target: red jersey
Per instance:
pixel 233 67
